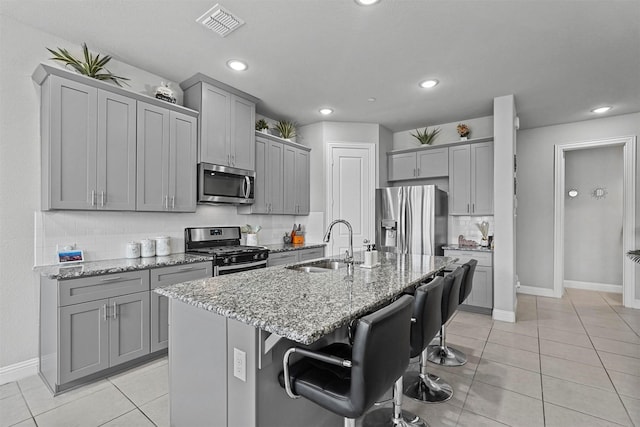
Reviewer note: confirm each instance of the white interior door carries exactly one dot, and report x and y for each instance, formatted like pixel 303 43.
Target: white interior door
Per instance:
pixel 351 194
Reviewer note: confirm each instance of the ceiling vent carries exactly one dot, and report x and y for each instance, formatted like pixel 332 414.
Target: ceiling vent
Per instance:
pixel 220 20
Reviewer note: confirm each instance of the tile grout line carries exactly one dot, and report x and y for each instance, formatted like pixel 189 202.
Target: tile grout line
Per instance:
pixel 132 402
pixel 24 399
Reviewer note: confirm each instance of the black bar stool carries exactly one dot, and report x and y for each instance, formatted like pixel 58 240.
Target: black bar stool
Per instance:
pixel 467 282
pixel 348 380
pixel 441 354
pixel 426 322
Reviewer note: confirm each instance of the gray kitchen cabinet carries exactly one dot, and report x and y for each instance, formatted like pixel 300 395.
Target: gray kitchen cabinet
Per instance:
pixel 227 122
pixel 296 180
pixel 128 327
pixel 294 256
pixel 481 297
pixel 88 147
pixel 471 179
pixel 166 276
pixel 423 163
pixel 167 143
pixel 312 253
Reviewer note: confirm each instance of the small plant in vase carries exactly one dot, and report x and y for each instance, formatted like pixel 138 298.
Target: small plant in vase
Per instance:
pixel 286 128
pixel 426 136
pixel 262 126
pixel 92 66
pixel 463 131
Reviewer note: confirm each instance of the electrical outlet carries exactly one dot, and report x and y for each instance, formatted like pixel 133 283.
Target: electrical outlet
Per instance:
pixel 240 364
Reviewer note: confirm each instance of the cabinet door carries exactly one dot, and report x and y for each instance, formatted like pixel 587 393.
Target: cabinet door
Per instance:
pixel 182 162
pixel 289 171
pixel 274 174
pixel 260 203
pixel 216 125
pixel 307 254
pixel 302 179
pixel 482 290
pixel 482 179
pixel 129 327
pixel 152 158
pixel 402 166
pixel 72 115
pixel 159 322
pixel 243 117
pixel 282 258
pixel 84 340
pixel 116 152
pixel 459 180
pixel 433 163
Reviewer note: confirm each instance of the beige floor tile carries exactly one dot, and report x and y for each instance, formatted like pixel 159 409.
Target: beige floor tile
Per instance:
pixel 626 335
pixel 474 319
pixel 504 406
pixel 567 337
pixel 460 383
pixel 510 339
pixel 26 423
pixel 145 385
pixel 612 322
pixel 557 416
pixel 466 344
pixel 467 370
pixel 617 347
pixel 570 352
pixel 556 304
pixel 469 419
pixel 573 326
pixel 91 410
pixel 525 327
pixel 616 362
pixel 588 400
pixel 627 385
pixel 509 377
pixel 613 299
pixel 470 331
pixel 158 411
pixel 436 415
pixel 632 320
pixel 40 399
pixel 633 408
pixel 544 314
pixel 133 418
pixel 13 410
pixel 9 390
pixel 512 356
pixel 577 372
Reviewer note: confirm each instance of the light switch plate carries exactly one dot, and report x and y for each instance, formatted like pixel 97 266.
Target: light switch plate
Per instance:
pixel 240 364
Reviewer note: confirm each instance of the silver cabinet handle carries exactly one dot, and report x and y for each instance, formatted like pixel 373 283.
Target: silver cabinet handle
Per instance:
pixel 418 172
pixel 93 197
pixel 173 202
pixel 104 308
pixel 186 268
pixel 414 172
pixel 228 159
pixel 233 160
pixel 473 208
pixel 468 208
pixel 103 199
pixel 110 279
pixel 115 310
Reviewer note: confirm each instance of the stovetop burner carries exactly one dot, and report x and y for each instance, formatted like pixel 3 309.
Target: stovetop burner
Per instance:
pixel 229 250
pixel 223 243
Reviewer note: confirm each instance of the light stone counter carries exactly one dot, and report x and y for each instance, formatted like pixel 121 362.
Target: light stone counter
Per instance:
pixel 456 247
pixel 286 247
pixel 304 307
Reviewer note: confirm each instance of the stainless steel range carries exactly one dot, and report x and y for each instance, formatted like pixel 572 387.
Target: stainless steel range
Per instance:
pixel 223 243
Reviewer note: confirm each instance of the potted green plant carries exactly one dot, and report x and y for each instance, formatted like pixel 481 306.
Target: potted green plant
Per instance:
pixel 262 126
pixel 92 66
pixel 286 128
pixel 426 136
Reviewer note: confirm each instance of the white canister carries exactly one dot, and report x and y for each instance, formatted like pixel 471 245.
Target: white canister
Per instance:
pixel 133 250
pixel 252 239
pixel 163 246
pixel 148 248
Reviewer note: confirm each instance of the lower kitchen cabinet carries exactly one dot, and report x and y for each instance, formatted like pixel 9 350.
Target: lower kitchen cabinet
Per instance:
pixel 481 297
pixel 293 256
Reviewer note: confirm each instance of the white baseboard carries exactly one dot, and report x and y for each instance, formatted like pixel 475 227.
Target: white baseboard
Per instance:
pixel 534 290
pixel 592 286
pixel 504 315
pixel 18 371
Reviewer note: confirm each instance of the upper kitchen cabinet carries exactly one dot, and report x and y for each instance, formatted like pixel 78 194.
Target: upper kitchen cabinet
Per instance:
pixel 227 122
pixel 296 180
pixel 471 179
pixel 167 143
pixel 418 163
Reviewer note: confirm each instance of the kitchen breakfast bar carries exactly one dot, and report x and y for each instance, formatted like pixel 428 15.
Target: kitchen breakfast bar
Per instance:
pixel 227 335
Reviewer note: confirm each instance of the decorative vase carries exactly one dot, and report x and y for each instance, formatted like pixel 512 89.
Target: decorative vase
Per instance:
pixel 463 138
pixel 484 242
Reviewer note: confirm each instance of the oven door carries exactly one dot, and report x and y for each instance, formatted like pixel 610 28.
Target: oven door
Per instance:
pixel 223 184
pixel 236 268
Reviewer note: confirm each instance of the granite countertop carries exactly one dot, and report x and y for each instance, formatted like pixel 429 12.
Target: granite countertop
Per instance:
pixel 457 247
pixel 285 247
pixel 301 306
pixel 96 268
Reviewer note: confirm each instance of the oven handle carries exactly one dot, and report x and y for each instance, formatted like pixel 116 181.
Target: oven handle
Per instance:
pixel 247 187
pixel 240 267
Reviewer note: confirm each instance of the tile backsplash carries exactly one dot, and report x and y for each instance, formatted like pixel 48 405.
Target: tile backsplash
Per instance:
pixel 466 225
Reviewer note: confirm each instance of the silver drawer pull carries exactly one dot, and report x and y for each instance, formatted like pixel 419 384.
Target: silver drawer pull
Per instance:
pixel 104 307
pixel 186 268
pixel 115 310
pixel 110 279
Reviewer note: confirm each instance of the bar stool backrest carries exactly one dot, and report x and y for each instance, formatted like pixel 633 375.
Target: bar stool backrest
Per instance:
pixel 428 314
pixel 451 293
pixel 467 281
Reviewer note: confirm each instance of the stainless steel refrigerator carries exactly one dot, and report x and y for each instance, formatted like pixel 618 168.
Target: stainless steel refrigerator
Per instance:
pixel 411 220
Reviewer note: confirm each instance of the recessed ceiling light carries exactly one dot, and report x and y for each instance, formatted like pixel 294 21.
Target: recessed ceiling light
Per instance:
pixel 600 110
pixel 237 65
pixel 428 84
pixel 326 111
pixel 372 99
pixel 366 2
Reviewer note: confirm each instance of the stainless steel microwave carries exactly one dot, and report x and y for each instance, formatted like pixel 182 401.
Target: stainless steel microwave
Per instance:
pixel 223 184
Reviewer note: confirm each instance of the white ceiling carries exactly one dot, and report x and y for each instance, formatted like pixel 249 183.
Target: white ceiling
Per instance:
pixel 560 58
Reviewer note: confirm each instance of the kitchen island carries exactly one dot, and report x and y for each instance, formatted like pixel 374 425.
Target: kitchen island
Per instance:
pixel 228 335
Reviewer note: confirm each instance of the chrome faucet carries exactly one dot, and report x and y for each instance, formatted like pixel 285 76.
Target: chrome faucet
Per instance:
pixel 348 259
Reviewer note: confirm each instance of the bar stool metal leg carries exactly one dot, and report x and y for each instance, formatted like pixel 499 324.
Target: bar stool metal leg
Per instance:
pixel 394 416
pixel 426 387
pixel 443 355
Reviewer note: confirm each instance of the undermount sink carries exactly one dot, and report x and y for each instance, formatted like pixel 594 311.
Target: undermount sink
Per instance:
pixel 319 266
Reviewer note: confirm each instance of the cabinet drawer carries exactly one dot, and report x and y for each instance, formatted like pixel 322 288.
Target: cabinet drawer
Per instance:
pixel 74 291
pixel 166 276
pixel 483 258
pixel 282 258
pixel 307 254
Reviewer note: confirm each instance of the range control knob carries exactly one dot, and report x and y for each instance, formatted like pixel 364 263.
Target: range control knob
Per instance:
pixel 225 260
pixel 233 259
pixel 256 256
